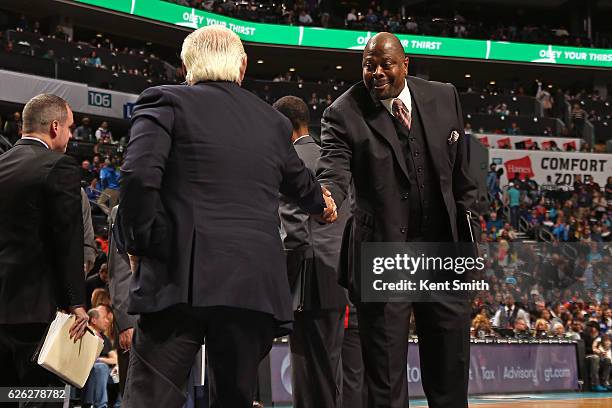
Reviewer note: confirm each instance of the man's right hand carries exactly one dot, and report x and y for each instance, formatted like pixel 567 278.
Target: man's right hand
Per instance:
pixel 125 339
pixel 330 213
pixel 77 330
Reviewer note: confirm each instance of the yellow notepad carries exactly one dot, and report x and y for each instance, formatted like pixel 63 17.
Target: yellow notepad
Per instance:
pixel 70 361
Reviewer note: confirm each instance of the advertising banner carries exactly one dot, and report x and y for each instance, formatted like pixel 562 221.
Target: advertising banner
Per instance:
pixel 166 12
pixel 526 142
pixel 494 368
pixel 563 167
pixel 19 88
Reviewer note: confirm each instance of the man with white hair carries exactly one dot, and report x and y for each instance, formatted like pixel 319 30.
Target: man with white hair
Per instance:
pixel 198 217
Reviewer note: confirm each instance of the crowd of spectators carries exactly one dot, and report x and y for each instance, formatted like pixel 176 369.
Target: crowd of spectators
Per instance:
pixel 86 50
pixel 558 289
pixel 376 17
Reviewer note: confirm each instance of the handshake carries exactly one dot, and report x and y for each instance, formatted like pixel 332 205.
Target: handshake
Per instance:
pixel 330 213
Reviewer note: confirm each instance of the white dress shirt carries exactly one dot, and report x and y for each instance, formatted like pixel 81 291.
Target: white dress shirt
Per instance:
pixel 37 139
pixel 404 96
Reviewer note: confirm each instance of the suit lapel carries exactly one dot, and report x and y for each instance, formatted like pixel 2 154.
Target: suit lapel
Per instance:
pixel 428 112
pixel 381 123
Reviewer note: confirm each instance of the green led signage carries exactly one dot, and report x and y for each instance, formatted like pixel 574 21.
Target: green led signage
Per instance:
pixel 160 10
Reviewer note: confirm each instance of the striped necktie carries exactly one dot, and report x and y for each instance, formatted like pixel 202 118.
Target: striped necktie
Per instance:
pixel 401 113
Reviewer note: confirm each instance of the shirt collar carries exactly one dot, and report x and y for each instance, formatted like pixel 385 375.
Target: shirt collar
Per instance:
pixel 301 137
pixel 37 139
pixel 404 96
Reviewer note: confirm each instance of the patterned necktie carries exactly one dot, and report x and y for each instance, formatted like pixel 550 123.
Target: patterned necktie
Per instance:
pixel 401 113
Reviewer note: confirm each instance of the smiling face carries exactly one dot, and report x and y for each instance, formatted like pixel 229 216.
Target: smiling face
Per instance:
pixel 385 66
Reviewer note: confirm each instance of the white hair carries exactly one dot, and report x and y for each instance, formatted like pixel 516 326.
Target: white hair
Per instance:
pixel 213 53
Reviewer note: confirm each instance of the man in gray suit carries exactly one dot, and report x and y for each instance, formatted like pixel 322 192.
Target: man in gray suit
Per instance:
pixel 319 301
pixel 119 276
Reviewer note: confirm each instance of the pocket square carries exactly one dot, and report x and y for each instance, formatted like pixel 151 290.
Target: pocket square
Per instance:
pixel 454 136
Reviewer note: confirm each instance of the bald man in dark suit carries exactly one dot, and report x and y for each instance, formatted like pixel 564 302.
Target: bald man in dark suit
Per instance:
pixel 399 141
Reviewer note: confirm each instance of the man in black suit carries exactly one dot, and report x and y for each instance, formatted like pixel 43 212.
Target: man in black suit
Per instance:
pixel 312 262
pixel 41 239
pixel 199 218
pixel 400 140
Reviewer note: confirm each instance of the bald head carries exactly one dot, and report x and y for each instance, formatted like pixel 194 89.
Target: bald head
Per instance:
pixel 385 66
pixel 387 41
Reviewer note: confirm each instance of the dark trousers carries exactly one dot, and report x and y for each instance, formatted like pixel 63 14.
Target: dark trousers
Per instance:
pixel 17 345
pixel 123 360
pixel 354 390
pixel 514 217
pixel 166 343
pixel 444 348
pixel 316 358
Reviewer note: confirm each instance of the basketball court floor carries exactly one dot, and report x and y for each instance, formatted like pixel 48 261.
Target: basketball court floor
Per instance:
pixel 558 400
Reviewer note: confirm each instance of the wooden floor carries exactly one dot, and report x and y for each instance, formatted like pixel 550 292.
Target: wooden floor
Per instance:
pixel 581 403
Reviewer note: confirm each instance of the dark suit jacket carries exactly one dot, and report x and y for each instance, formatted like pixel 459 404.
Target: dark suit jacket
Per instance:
pixel 41 233
pixel 359 143
pixel 313 248
pixel 199 199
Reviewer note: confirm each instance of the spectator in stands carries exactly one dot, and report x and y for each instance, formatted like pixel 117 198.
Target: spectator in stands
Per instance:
pixel 304 18
pixel 93 189
pixel 561 230
pixel 545 99
pixel 506 315
pixel 84 132
pixel 494 223
pixel 49 54
pixel 100 296
pixel 60 34
pixel 351 17
pixel 86 175
pixel 502 109
pixel 514 129
pixel 371 19
pixel 575 329
pixel 12 128
pixel 513 202
pixel 601 346
pixel 22 23
pixel 578 116
pixel 95 390
pixel 521 328
pixel 99 280
pixel 109 176
pixel 93 60
pixel 532 188
pixel 541 328
pixel 481 327
pixel 103 134
pixel 412 27
pixel 109 184
pixel 467 129
pixel 608 189
pixel 590 334
pixel 492 180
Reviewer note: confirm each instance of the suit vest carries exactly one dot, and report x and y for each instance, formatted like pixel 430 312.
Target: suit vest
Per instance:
pixel 427 218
